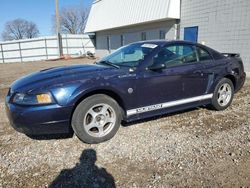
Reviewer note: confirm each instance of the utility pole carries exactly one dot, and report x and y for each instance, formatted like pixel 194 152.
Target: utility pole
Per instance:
pixel 58 30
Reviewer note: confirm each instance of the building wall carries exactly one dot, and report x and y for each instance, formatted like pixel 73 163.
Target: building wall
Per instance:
pixel 223 25
pixel 110 14
pixel 133 34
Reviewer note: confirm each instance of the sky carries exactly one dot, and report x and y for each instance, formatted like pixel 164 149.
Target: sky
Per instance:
pixel 38 11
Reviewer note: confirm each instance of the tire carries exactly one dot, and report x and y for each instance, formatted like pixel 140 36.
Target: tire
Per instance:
pixel 96 119
pixel 223 95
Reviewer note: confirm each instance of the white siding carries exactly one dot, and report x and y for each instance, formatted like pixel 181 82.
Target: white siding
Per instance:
pixel 109 14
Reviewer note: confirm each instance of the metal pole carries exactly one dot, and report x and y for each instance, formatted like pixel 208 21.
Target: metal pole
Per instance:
pixel 46 48
pixel 179 23
pixel 20 51
pixel 67 46
pixel 2 52
pixel 58 29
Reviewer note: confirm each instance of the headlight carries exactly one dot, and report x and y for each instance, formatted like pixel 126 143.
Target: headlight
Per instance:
pixel 28 99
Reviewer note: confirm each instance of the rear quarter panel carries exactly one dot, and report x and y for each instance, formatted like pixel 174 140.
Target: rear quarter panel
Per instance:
pixel 225 67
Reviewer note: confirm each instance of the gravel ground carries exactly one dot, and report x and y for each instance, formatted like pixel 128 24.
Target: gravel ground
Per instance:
pixel 195 148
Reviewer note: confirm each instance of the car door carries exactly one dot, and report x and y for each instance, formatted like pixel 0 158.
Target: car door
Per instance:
pixel 196 77
pixel 180 79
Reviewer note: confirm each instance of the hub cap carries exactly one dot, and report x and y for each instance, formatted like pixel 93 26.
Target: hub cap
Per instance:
pixel 224 94
pixel 99 120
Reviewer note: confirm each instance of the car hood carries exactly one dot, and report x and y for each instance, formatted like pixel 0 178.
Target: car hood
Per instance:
pixel 57 75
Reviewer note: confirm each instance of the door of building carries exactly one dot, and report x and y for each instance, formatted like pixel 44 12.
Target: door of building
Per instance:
pixel 191 34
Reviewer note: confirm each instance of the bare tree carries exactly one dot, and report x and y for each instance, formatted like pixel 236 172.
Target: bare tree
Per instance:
pixel 72 20
pixel 32 30
pixel 19 29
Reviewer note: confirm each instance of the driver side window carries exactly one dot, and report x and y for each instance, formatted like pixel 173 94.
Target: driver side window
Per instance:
pixel 130 56
pixel 175 55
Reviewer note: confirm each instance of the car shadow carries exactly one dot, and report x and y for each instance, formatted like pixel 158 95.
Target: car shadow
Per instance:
pixel 52 136
pixel 84 174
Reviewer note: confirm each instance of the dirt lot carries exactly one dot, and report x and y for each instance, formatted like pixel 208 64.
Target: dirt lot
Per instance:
pixel 196 148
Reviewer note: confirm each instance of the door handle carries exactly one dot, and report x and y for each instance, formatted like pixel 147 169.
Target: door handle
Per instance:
pixel 199 72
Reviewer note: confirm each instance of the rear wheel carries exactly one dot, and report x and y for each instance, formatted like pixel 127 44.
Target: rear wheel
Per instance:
pixel 223 94
pixel 96 119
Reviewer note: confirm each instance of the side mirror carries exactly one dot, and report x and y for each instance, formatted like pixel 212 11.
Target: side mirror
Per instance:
pixel 157 67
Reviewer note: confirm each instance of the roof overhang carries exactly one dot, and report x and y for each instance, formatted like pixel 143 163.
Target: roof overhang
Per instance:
pixel 110 14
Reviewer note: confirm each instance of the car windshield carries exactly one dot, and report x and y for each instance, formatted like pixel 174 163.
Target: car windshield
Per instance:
pixel 129 56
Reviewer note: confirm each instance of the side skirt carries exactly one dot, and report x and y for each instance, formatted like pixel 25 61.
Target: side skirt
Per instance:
pixel 165 111
pixel 160 106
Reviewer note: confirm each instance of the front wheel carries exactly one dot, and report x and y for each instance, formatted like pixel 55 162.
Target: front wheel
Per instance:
pixel 96 119
pixel 223 94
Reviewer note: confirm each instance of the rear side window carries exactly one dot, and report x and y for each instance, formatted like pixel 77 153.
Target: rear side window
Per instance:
pixel 203 55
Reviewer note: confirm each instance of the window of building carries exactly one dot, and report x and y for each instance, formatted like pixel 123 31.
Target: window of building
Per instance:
pixel 122 40
pixel 162 34
pixel 108 43
pixel 143 36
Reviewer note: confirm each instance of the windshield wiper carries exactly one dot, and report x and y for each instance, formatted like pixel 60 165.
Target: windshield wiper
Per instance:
pixel 109 63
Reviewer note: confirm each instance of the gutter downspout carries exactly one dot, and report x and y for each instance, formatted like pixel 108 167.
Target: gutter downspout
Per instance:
pixel 178 25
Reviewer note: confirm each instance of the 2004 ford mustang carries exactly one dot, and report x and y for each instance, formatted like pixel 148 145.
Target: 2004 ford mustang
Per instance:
pixel 137 81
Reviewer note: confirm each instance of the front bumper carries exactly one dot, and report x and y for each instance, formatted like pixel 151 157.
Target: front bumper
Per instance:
pixel 39 120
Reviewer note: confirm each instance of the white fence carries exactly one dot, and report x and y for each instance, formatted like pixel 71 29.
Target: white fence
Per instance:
pixel 44 48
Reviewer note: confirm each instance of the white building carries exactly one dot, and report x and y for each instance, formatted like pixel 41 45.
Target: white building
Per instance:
pixel 222 25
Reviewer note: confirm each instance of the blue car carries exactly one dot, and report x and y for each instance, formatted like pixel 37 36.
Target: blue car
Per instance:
pixel 137 81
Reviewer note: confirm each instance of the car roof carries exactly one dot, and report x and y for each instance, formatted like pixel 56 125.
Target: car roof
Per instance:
pixel 164 42
pixel 215 54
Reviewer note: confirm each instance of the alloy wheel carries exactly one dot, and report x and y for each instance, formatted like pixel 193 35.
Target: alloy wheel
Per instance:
pixel 224 94
pixel 99 120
